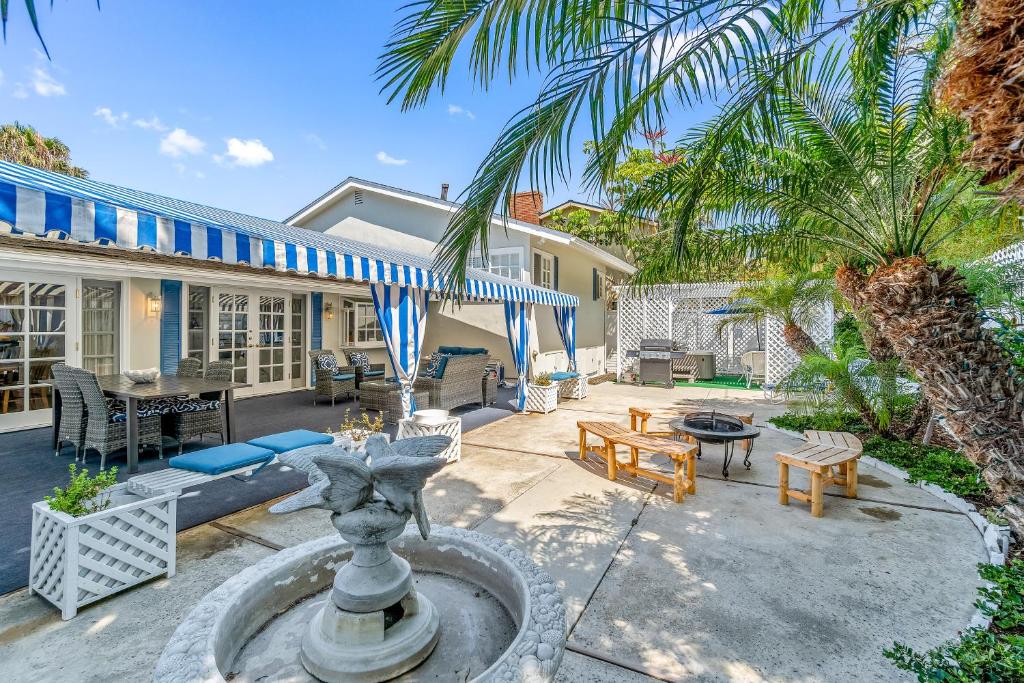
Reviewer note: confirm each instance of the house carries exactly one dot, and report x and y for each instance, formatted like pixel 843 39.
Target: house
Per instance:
pixel 110 278
pixel 519 248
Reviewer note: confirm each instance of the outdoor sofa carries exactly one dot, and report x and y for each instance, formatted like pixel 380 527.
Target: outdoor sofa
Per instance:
pixel 460 377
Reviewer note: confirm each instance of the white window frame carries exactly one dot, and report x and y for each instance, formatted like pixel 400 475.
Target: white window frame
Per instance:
pixel 498 270
pixel 361 310
pixel 551 261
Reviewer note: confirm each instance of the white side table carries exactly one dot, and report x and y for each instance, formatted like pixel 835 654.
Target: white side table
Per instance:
pixel 451 427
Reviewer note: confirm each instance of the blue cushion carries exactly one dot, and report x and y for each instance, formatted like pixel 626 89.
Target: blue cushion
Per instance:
pixel 343 377
pixel 474 351
pixel 358 358
pixel 373 373
pixel 442 363
pixel 450 350
pixel 562 376
pixel 289 441
pixel 193 405
pixel 220 459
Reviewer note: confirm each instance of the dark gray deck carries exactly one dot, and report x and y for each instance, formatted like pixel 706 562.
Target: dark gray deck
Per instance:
pixel 29 470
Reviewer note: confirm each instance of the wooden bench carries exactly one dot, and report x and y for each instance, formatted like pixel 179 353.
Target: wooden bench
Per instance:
pixel 171 479
pixel 613 435
pixel 822 452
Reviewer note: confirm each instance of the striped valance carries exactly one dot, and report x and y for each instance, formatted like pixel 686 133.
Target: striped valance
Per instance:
pixel 34 202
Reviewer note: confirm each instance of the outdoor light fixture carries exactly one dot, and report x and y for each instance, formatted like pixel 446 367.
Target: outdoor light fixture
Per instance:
pixel 329 310
pixel 153 305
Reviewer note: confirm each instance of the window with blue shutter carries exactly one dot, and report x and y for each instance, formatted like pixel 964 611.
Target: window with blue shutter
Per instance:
pixel 170 326
pixel 316 326
pixel 554 275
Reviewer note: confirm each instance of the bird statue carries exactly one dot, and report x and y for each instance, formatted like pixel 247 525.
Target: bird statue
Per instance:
pixel 392 476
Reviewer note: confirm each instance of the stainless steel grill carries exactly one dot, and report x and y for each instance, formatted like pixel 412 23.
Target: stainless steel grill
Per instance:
pixel 656 361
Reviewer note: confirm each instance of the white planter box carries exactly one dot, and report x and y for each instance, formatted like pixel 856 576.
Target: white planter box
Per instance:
pixel 78 560
pixel 452 428
pixel 541 399
pixel 576 388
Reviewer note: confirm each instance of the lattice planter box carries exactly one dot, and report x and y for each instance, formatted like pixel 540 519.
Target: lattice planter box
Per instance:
pixel 452 427
pixel 542 399
pixel 79 560
pixel 575 387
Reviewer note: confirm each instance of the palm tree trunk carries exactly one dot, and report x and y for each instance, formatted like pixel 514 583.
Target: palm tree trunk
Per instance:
pixel 799 340
pixel 933 324
pixel 920 417
pixel 851 284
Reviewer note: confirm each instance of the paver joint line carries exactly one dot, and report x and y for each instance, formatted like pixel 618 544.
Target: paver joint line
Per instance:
pixel 259 540
pixel 608 659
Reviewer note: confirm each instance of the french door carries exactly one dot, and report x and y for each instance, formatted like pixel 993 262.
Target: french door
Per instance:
pixel 37 324
pixel 253 332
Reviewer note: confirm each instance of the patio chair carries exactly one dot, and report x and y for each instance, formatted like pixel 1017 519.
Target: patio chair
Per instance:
pixel 460 383
pixel 201 416
pixel 332 380
pixel 106 426
pixel 753 363
pixel 365 370
pixel 189 367
pixel 73 416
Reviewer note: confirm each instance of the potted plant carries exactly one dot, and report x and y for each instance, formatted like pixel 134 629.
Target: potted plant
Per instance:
pixel 354 431
pixel 95 537
pixel 542 394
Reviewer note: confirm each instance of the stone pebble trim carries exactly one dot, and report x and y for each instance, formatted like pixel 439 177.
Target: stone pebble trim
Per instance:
pixel 996 537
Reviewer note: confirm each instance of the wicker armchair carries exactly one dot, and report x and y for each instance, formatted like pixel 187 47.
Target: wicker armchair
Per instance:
pixel 106 427
pixel 73 416
pixel 460 384
pixel 189 367
pixel 201 416
pixel 337 383
pixel 375 371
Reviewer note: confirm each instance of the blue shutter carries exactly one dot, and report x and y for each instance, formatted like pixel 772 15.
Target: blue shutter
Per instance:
pixel 316 327
pixel 170 326
pixel 554 275
pixel 597 285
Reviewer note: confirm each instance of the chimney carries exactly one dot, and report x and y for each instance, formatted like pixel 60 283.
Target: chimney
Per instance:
pixel 444 192
pixel 526 206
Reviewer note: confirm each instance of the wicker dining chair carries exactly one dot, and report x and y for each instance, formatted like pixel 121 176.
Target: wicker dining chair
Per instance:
pixel 106 425
pixel 332 382
pixel 73 416
pixel 189 367
pixel 201 416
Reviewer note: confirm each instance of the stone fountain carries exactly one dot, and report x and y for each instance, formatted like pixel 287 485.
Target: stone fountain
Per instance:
pixel 349 608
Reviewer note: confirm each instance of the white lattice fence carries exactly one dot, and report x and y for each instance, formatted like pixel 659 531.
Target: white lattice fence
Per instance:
pixel 77 560
pixel 779 358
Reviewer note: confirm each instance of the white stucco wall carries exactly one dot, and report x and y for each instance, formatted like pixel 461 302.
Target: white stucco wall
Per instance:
pixel 143 331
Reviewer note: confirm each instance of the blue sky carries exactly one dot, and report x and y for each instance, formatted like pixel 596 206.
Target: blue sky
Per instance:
pixel 256 106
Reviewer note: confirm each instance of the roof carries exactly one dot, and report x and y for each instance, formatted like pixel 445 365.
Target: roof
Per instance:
pixel 572 203
pixel 41 203
pixel 352 183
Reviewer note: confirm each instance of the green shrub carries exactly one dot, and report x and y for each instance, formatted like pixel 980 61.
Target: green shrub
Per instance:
pixel 940 466
pixel 979 655
pixel 822 420
pixel 84 494
pixel 542 380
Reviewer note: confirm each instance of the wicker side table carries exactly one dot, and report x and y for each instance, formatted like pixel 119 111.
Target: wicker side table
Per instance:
pixel 451 427
pixel 387 398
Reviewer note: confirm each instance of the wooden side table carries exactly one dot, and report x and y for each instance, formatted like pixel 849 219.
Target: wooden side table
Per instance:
pixel 451 427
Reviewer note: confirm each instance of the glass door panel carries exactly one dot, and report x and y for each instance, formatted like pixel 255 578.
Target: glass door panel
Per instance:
pixel 101 327
pixel 271 336
pixel 298 340
pixel 233 334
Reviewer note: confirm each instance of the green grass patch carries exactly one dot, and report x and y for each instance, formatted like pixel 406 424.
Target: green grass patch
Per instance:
pixel 992 655
pixel 722 382
pixel 940 466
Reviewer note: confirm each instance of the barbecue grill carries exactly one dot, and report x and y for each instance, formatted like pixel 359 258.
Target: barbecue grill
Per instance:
pixel 656 361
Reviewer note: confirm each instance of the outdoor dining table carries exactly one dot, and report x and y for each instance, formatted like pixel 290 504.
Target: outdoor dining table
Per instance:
pixel 119 386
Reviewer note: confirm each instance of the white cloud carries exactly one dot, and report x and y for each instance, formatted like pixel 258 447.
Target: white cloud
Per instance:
pixel 179 142
pixel 152 123
pixel 20 92
pixel 248 152
pixel 456 110
pixel 45 84
pixel 388 160
pixel 316 141
pixel 110 117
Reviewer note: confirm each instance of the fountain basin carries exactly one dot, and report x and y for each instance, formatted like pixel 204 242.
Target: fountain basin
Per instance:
pixel 468 567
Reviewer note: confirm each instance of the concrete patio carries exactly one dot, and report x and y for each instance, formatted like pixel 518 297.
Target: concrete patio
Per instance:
pixel 728 586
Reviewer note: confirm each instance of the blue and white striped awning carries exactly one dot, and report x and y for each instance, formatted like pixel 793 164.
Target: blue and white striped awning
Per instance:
pixel 45 204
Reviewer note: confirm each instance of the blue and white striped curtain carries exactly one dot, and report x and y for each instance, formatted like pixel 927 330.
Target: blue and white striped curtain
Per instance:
pixel 402 313
pixel 517 322
pixel 565 318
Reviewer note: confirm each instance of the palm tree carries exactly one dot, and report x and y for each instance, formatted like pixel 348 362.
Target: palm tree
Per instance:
pixel 24 145
pixel 796 300
pixel 873 180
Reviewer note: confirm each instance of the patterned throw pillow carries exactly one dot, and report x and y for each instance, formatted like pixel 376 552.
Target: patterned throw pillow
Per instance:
pixel 432 364
pixel 358 358
pixel 327 362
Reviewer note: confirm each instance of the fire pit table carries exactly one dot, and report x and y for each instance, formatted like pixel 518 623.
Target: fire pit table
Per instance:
pixel 712 427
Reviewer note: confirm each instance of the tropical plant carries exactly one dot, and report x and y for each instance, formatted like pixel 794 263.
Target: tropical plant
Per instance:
pixel 542 380
pixel 84 494
pixel 796 300
pixel 21 144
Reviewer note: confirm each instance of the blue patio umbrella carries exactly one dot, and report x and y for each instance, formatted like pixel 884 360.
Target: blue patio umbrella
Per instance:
pixel 739 307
